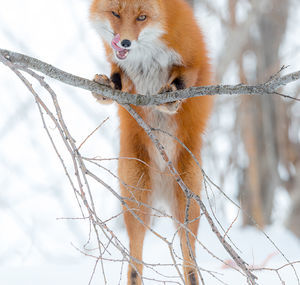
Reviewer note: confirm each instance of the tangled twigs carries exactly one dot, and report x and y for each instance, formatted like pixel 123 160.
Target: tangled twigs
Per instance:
pixel 270 87
pixel 189 194
pixel 18 62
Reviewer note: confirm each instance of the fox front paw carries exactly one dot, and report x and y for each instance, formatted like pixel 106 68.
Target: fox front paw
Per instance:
pixel 103 80
pixel 171 107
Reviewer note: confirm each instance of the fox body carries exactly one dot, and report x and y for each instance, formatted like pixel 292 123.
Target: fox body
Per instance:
pixel 156 46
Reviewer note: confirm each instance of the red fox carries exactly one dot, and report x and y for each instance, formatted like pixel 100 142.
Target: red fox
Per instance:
pixel 153 47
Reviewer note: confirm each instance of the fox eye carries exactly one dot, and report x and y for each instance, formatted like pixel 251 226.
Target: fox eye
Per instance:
pixel 115 14
pixel 141 18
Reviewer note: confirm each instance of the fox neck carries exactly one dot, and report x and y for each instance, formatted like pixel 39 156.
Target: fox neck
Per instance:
pixel 149 62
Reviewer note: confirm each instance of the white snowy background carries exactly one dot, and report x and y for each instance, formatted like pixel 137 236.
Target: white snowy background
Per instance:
pixel 37 244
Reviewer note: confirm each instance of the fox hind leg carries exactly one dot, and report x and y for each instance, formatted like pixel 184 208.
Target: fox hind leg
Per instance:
pixel 138 217
pixel 188 212
pixel 187 240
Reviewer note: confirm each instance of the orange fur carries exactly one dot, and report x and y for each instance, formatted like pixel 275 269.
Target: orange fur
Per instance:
pixel 182 35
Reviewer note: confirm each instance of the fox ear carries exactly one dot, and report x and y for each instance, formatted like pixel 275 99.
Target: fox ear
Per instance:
pixel 157 7
pixel 94 8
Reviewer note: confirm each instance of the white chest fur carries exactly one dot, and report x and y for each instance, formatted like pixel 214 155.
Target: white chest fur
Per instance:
pixel 149 71
pixel 149 61
pixel 161 180
pixel 165 122
pixel 148 66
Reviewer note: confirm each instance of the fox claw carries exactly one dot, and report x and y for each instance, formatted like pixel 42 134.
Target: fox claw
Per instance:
pixel 167 88
pixel 170 107
pixel 104 80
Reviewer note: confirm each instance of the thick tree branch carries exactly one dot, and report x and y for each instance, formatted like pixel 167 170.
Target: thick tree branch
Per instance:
pixel 269 87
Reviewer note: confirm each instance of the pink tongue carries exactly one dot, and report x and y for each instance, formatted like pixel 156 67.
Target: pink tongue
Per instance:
pixel 115 41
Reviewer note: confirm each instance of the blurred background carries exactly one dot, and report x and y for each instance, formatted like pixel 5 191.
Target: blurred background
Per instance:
pixel 252 145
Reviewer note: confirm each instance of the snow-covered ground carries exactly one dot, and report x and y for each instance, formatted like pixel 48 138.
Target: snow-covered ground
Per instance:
pixel 65 265
pixel 37 244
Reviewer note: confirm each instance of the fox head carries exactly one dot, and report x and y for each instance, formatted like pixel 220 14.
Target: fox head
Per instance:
pixel 128 26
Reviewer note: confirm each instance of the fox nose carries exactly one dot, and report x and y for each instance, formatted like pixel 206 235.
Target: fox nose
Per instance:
pixel 126 43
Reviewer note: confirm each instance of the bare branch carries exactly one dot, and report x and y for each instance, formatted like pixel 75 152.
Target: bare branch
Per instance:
pixel 270 87
pixel 21 62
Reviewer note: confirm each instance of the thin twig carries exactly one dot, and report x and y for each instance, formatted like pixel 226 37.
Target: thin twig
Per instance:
pixel 241 263
pixel 95 130
pixel 21 62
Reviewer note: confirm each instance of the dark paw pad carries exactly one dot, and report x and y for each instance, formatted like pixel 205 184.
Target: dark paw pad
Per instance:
pixel 192 278
pixel 179 83
pixel 133 277
pixel 116 81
